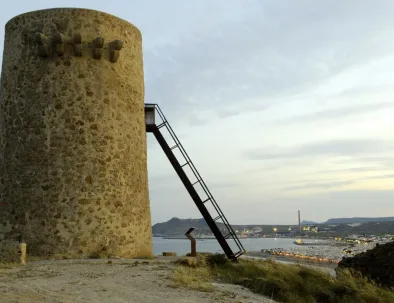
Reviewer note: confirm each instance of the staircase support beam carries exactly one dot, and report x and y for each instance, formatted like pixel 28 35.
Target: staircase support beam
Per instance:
pixel 193 193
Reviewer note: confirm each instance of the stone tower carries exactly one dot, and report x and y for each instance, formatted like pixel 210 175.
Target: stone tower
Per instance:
pixel 73 161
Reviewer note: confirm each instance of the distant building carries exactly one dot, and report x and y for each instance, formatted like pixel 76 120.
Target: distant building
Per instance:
pixel 313 228
pixel 257 229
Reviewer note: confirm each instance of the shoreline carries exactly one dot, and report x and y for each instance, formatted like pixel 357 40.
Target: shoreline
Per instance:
pixel 316 255
pixel 320 256
pixel 290 259
pixel 184 238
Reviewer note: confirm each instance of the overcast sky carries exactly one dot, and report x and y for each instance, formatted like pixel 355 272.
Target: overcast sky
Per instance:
pixel 282 105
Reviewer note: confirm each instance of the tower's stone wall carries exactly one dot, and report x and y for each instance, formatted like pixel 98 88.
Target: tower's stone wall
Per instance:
pixel 73 162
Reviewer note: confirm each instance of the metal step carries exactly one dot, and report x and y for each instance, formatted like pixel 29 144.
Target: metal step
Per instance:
pixel 198 181
pixel 187 163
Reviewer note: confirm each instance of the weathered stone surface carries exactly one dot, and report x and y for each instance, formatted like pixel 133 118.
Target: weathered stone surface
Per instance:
pixel 73 162
pixel 10 251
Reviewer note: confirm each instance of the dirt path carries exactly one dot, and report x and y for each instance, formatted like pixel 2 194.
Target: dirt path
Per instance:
pixel 77 281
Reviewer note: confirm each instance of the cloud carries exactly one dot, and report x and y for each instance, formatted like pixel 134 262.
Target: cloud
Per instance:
pixel 334 203
pixel 353 148
pixel 225 185
pixel 336 113
pixel 339 203
pixel 172 182
pixel 333 184
pixel 319 185
pixel 351 170
pixel 390 176
pixel 381 162
pixel 264 53
pixel 167 182
pixel 219 68
pixel 226 112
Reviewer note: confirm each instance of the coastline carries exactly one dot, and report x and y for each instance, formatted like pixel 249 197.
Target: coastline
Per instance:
pixel 289 259
pixel 319 255
pixel 184 238
pixel 280 249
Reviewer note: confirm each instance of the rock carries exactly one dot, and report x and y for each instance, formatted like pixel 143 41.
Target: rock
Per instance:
pixel 169 254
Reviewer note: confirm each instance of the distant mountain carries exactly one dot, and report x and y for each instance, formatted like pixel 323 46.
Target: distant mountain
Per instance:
pixel 304 222
pixel 358 220
pixel 177 226
pixel 350 220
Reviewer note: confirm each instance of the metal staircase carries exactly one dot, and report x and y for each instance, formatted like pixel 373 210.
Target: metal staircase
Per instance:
pixel 202 201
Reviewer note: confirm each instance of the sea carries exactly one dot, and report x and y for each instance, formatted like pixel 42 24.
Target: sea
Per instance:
pixel 182 246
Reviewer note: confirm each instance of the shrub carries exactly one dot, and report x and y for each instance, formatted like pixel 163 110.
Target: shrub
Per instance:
pixel 296 283
pixel 216 260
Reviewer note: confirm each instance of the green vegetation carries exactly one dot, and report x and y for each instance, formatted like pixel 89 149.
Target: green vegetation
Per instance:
pixel 8 265
pixel 282 282
pixel 196 278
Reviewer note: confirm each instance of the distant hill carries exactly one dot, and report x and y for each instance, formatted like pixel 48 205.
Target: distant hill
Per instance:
pixel 335 226
pixel 177 226
pixel 304 222
pixel 358 220
pixel 350 220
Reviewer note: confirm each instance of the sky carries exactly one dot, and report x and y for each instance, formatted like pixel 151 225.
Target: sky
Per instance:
pixel 281 105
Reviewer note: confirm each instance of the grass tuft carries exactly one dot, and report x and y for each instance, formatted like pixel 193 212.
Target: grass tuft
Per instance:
pixel 197 278
pixel 296 283
pixel 9 265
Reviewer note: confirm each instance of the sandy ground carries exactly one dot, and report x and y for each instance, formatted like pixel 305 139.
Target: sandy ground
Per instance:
pixel 75 281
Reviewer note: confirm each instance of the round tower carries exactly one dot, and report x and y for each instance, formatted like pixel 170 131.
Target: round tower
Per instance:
pixel 73 160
